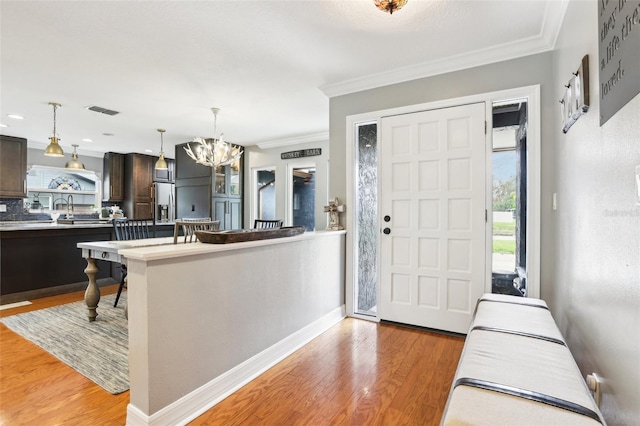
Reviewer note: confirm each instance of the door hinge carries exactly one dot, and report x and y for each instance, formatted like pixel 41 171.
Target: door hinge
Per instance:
pixel 485 127
pixel 486 215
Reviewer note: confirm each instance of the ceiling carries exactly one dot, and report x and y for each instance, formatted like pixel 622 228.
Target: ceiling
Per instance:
pixel 270 66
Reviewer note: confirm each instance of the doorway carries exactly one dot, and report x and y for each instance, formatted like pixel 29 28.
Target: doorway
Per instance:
pixel 432 206
pixel 265 181
pixel 530 233
pixel 303 197
pixel 509 197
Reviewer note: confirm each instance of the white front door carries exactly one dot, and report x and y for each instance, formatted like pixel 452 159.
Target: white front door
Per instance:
pixel 432 209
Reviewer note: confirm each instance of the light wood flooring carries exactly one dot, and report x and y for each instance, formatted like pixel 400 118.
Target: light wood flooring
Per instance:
pixel 356 373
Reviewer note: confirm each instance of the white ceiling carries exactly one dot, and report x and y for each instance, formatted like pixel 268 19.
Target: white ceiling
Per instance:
pixel 270 66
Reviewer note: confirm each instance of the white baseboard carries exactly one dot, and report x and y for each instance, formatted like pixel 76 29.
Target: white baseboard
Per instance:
pixel 202 399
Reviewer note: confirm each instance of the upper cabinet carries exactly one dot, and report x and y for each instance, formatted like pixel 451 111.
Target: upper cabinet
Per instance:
pixel 228 181
pixel 138 186
pixel 186 168
pixel 113 177
pixel 13 167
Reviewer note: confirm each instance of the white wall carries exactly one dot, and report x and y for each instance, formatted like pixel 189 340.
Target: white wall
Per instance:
pixel 595 296
pixel 256 158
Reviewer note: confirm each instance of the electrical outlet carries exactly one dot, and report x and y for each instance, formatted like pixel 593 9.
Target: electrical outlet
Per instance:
pixel 3 208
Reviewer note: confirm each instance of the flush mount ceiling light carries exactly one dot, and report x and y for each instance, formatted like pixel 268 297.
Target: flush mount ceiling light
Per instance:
pixel 74 163
pixel 390 5
pixel 214 152
pixel 54 149
pixel 161 164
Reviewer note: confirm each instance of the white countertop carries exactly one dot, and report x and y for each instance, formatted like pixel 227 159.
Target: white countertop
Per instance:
pixel 163 248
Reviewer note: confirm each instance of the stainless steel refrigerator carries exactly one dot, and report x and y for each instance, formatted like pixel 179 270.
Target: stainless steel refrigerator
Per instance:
pixel 164 203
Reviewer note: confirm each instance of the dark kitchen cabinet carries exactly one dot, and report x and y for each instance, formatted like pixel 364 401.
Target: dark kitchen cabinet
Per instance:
pixel 224 190
pixel 186 167
pixel 228 211
pixel 138 197
pixel 166 176
pixel 226 198
pixel 228 181
pixel 13 167
pixel 113 177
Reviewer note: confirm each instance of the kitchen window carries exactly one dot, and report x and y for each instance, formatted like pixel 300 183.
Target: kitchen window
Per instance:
pixel 48 190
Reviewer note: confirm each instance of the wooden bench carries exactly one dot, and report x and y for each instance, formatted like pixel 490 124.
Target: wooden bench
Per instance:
pixel 516 368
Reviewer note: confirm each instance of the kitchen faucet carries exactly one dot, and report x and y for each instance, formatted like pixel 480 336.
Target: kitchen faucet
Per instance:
pixel 70 206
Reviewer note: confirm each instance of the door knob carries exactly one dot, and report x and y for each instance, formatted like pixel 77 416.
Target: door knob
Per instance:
pixel 386 231
pixel 387 218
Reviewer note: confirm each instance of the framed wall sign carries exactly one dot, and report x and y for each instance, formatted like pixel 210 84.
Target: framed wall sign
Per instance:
pixel 619 51
pixel 575 100
pixel 301 153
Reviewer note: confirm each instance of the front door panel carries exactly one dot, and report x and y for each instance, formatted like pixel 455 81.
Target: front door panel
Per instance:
pixel 432 172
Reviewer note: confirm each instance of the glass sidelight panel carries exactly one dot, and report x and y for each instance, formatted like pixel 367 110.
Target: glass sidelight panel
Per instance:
pixel 509 221
pixel 367 219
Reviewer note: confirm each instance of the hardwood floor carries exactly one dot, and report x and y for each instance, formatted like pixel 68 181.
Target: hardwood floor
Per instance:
pixel 356 373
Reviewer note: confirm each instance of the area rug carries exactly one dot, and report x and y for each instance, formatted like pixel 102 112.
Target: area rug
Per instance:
pixel 98 350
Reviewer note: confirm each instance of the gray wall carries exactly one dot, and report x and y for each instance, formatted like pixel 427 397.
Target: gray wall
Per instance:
pixel 595 291
pixel 36 156
pixel 590 246
pixel 521 72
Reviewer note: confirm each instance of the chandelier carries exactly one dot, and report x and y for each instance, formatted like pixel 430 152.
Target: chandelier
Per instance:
pixel 390 5
pixel 214 152
pixel 54 149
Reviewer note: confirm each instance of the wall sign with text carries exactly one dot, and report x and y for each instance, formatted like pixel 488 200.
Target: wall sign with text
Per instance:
pixel 301 153
pixel 619 50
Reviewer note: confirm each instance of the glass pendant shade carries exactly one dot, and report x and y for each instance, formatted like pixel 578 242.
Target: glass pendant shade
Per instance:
pixel 74 163
pixel 161 164
pixel 54 149
pixel 390 6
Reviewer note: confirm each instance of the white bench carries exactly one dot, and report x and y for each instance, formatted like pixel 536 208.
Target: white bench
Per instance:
pixel 516 369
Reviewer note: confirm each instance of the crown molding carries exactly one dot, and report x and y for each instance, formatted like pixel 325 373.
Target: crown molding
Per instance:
pixel 315 137
pixel 543 42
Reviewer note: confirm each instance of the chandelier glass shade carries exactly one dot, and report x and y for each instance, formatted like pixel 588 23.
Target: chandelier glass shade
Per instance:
pixel 74 163
pixel 54 149
pixel 161 164
pixel 213 152
pixel 390 6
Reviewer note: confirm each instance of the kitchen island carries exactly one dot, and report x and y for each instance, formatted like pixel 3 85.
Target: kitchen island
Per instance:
pixel 204 319
pixel 39 259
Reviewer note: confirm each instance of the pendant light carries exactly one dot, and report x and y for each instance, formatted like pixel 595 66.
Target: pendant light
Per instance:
pixel 161 164
pixel 54 149
pixel 74 163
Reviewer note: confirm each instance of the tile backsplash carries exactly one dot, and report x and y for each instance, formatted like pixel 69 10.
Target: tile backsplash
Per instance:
pixel 17 212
